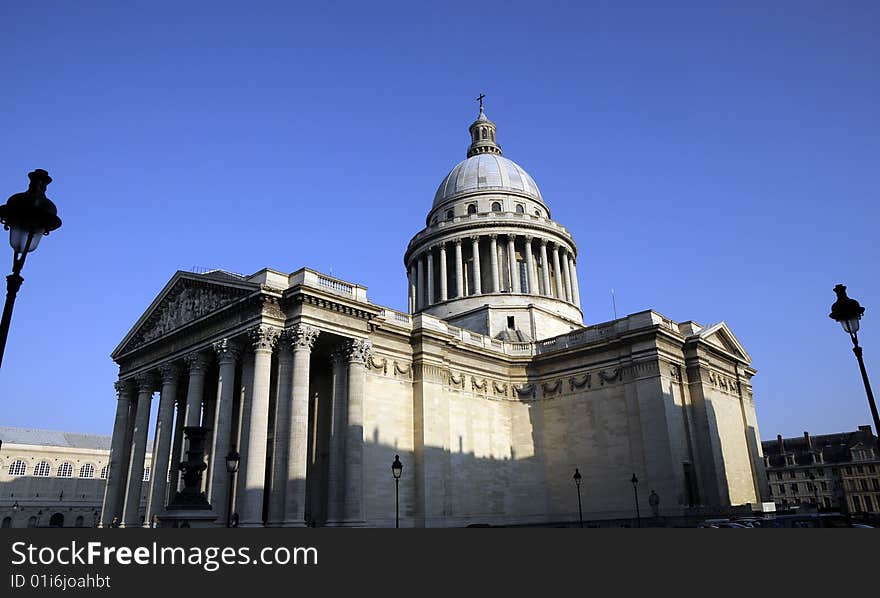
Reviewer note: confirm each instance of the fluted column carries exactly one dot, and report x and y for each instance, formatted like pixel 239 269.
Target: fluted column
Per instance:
pixel 545 268
pixel 336 446
pixel 302 339
pixel 162 437
pixel 511 264
pixel 567 273
pixel 250 503
pixel 493 256
pixel 444 293
pixel 420 283
pixel 116 464
pixel 353 505
pixel 530 268
pixel 576 294
pixel 412 288
pixel 430 276
pixel 176 449
pixel 246 399
pixel 284 379
pixel 198 365
pixel 560 294
pixel 228 353
pixel 475 253
pixel 459 270
pixel 131 512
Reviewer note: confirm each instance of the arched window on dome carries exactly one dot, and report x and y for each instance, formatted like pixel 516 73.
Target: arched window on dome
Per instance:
pixel 449 214
pixel 87 471
pixel 538 213
pixel 496 206
pixel 520 209
pixel 482 133
pixel 472 208
pixel 42 469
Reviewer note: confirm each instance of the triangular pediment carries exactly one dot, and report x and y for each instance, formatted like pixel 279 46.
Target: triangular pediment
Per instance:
pixel 722 337
pixel 185 299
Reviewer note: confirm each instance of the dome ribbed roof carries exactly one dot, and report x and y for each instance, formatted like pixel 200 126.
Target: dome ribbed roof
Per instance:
pixel 487 172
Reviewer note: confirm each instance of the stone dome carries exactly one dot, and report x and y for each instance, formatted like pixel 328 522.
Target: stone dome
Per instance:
pixel 487 172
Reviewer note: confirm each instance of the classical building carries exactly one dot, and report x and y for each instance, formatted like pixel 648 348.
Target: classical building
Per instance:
pixel 53 479
pixel 839 472
pixel 490 389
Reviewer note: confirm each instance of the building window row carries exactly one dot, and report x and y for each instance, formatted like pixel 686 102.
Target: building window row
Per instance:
pixel 495 206
pixel 42 469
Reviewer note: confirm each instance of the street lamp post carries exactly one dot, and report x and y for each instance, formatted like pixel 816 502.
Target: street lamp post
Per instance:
pixel 635 482
pixel 232 461
pixel 848 312
pixel 27 216
pixel 396 470
pixel 577 481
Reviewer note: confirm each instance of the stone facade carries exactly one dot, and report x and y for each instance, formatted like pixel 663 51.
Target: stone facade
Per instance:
pixel 490 389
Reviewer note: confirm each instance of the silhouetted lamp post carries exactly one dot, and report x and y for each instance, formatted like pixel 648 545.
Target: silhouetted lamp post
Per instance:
pixel 577 482
pixel 635 482
pixel 232 461
pixel 396 470
pixel 848 312
pixel 27 216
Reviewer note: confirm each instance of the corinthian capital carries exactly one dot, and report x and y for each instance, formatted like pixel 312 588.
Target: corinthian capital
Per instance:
pixel 303 336
pixel 146 383
pixel 264 337
pixel 359 350
pixel 197 362
pixel 169 373
pixel 123 387
pixel 227 351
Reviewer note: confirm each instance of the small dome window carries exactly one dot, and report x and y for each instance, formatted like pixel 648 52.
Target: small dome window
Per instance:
pixel 449 214
pixel 496 206
pixel 472 208
pixel 520 209
pixel 538 213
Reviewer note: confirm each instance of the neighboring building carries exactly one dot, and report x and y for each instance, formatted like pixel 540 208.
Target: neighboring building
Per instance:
pixel 50 478
pixel 491 389
pixel 841 470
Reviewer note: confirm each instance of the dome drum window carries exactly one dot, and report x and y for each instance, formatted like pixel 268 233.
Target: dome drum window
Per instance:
pixel 496 206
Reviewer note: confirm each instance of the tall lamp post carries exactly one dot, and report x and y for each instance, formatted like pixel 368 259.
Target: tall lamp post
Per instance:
pixel 848 312
pixel 27 216
pixel 396 470
pixel 232 461
pixel 635 482
pixel 577 482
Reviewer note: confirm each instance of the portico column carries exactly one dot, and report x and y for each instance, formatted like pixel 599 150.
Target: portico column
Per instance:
pixel 475 251
pixel 493 256
pixel 116 468
pixel 545 268
pixel 530 268
pixel 131 512
pixel 246 398
pixel 420 284
pixel 284 379
pixel 459 270
pixel 198 364
pixel 169 374
pixel 430 277
pixel 511 264
pixel 558 272
pixel 228 353
pixel 576 295
pixel 302 339
pixel 250 502
pixel 353 506
pixel 336 448
pixel 567 273
pixel 444 294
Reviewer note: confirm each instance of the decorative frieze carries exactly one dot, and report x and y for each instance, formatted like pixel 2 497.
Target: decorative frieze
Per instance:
pixel 585 381
pixel 403 371
pixel 551 388
pixel 606 377
pixel 378 365
pixel 481 386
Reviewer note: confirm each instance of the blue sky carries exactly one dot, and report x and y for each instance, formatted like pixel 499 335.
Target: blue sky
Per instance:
pixel 712 162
